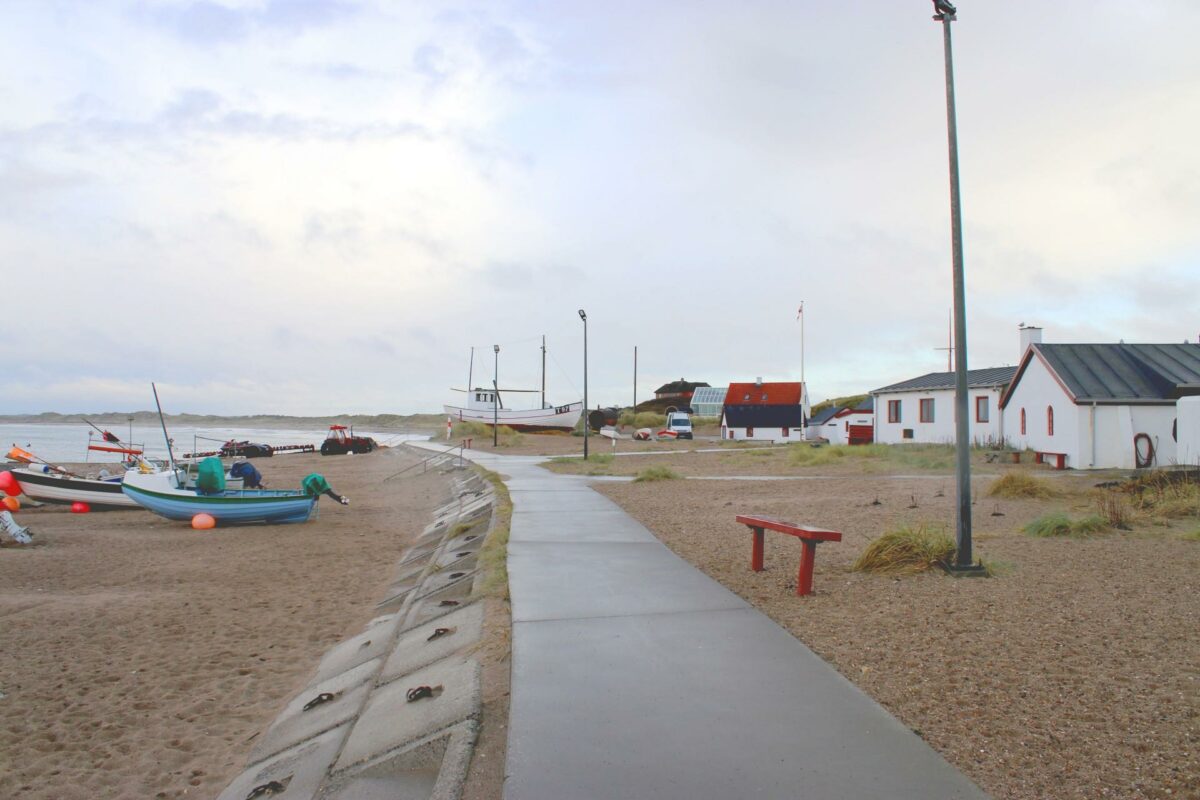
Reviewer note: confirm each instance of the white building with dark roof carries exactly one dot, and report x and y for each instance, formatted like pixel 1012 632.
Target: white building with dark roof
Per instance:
pixel 1104 405
pixel 922 409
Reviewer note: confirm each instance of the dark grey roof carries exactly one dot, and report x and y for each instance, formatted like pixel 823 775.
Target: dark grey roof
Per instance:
pixel 976 379
pixel 824 415
pixel 785 416
pixel 866 406
pixel 1124 372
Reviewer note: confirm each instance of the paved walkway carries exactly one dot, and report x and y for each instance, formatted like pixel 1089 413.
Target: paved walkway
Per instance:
pixel 635 675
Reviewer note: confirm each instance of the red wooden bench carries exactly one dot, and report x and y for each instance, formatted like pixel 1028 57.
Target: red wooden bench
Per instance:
pixel 1060 459
pixel 807 535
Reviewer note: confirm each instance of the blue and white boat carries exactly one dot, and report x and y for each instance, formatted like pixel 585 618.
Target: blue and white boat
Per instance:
pixel 161 493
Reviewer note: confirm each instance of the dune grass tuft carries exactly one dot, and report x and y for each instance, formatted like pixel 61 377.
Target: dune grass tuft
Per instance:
pixel 656 474
pixel 1018 485
pixel 1192 536
pixel 1059 524
pixel 904 551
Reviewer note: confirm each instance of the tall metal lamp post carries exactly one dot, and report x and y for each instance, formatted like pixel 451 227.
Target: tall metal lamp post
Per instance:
pixel 945 13
pixel 496 398
pixel 583 316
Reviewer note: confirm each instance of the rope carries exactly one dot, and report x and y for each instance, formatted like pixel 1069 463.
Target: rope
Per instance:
pixel 1140 460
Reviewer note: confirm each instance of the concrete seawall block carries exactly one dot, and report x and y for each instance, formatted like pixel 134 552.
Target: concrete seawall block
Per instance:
pixel 390 721
pixel 433 768
pixel 375 641
pixel 300 770
pixel 294 724
pixel 413 650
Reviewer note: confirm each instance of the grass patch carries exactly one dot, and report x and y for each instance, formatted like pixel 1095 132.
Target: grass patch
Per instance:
pixel 1115 509
pixel 997 569
pixel 878 456
pixel 493 555
pixel 1059 524
pixel 1192 536
pixel 656 474
pixel 808 456
pixel 593 458
pixel 905 551
pixel 505 436
pixel 642 419
pixel 1166 494
pixel 1016 485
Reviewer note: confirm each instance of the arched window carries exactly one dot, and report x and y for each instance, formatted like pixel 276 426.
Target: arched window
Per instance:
pixel 1022 422
pixel 1049 420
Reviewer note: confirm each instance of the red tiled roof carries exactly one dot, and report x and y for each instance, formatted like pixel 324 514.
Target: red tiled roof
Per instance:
pixel 765 394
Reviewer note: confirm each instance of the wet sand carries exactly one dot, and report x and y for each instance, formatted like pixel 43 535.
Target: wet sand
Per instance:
pixel 140 658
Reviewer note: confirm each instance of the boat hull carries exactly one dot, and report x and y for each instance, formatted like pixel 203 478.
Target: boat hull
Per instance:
pixel 50 488
pixel 234 507
pixel 560 418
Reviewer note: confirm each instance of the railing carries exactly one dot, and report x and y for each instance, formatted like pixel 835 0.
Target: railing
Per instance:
pixel 438 457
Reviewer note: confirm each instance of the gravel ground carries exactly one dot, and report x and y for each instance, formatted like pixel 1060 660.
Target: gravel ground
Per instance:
pixel 1073 674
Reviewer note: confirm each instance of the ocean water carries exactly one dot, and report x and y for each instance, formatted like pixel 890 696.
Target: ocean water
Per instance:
pixel 68 442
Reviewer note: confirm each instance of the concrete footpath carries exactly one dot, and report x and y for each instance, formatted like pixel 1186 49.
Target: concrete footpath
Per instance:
pixel 634 675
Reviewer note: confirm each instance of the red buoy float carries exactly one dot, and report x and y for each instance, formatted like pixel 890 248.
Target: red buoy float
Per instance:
pixel 203 522
pixel 9 484
pixel 80 508
pixel 11 503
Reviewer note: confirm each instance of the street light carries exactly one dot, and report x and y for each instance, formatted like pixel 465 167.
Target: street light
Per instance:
pixel 496 398
pixel 583 316
pixel 946 13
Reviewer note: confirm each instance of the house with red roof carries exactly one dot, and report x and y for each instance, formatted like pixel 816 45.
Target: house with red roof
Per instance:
pixel 765 411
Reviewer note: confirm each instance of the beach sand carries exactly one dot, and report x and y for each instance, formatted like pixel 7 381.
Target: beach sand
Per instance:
pixel 140 658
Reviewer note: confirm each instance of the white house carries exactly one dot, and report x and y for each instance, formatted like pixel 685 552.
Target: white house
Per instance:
pixel 842 425
pixel 922 409
pixel 1103 405
pixel 1187 446
pixel 773 423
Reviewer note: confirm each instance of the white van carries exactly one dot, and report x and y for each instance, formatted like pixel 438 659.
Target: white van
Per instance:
pixel 679 423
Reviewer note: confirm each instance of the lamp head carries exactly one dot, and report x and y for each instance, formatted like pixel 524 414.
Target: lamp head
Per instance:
pixel 496 348
pixel 583 315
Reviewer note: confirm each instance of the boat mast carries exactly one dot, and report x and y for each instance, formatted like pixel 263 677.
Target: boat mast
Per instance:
pixel 471 371
pixel 163 422
pixel 543 370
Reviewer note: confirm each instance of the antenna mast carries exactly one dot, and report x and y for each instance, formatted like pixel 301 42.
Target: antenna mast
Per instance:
pixel 543 370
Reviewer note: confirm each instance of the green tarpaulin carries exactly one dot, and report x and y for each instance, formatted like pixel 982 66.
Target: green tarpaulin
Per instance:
pixel 211 476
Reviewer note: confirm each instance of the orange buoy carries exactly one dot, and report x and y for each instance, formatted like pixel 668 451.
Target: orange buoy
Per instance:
pixel 9 484
pixel 203 522
pixel 11 503
pixel 80 508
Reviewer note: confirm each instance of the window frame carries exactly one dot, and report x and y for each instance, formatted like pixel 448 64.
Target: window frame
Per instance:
pixel 894 411
pixel 1049 420
pixel 981 401
pixel 927 403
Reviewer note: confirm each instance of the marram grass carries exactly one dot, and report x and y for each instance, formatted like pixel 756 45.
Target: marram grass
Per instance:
pixel 1020 484
pixel 656 474
pixel 905 550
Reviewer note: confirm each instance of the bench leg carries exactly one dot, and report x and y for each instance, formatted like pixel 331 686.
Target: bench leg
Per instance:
pixel 756 550
pixel 1061 461
pixel 807 556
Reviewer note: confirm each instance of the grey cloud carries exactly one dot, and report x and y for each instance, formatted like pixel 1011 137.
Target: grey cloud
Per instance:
pixel 343 228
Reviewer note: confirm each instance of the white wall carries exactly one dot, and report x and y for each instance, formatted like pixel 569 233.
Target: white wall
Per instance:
pixel 1187 411
pixel 1099 436
pixel 835 430
pixel 762 434
pixel 941 430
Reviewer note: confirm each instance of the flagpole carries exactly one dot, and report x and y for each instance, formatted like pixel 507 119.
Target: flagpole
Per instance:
pixel 803 387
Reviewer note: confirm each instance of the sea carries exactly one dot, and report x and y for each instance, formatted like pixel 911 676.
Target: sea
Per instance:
pixel 68 442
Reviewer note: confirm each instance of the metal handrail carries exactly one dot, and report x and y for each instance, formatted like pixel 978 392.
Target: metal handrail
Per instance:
pixel 424 463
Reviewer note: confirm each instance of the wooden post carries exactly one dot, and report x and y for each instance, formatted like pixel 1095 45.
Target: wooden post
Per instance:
pixel 756 552
pixel 808 557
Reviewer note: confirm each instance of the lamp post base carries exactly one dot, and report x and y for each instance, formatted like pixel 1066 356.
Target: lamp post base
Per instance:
pixel 976 570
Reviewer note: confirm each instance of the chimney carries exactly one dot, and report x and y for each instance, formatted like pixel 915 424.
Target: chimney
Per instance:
pixel 1029 335
pixel 758 381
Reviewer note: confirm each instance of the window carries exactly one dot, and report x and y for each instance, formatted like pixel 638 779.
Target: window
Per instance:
pixel 907 433
pixel 893 410
pixel 749 432
pixel 786 434
pixel 1049 420
pixel 981 408
pixel 1022 422
pixel 927 410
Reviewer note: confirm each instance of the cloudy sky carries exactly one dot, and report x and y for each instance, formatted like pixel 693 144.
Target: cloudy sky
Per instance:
pixel 310 206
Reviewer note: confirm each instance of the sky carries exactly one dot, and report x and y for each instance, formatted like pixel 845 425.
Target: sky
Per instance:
pixel 322 206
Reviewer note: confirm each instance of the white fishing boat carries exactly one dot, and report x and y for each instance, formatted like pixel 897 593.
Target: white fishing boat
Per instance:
pixel 486 405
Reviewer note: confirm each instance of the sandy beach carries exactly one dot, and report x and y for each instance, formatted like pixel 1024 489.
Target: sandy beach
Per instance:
pixel 140 658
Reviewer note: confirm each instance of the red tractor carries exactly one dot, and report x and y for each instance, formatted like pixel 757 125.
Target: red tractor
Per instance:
pixel 341 440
